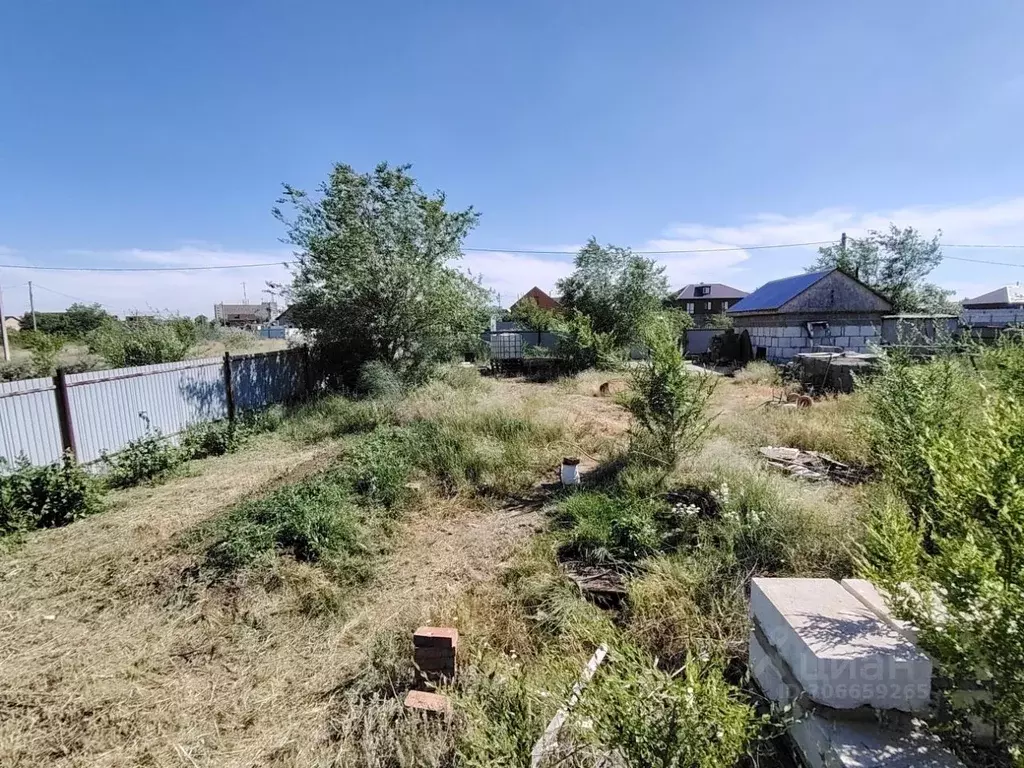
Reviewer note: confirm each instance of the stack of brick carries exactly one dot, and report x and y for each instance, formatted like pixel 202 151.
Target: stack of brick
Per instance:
pixel 854 679
pixel 435 650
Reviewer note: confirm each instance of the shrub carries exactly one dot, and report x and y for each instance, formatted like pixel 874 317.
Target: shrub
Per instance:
pixel 379 380
pixel 760 373
pixel 945 539
pixel 953 567
pixel 143 342
pixel 237 340
pixel 213 438
pixel 668 405
pixel 149 457
pixel 581 347
pixel 45 347
pixel 17 370
pixel 45 497
pixel 656 719
pixel 910 405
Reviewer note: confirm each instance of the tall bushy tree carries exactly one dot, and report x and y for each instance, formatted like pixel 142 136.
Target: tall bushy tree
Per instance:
pixel 895 263
pixel 374 280
pixel 618 290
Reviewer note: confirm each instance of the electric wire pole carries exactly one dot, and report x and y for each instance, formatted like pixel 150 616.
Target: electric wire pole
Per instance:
pixel 32 306
pixel 3 326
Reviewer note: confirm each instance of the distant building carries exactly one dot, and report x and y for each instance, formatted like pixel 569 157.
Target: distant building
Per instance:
pixel 245 315
pixel 12 323
pixel 541 299
pixel 816 309
pixel 1001 307
pixel 702 300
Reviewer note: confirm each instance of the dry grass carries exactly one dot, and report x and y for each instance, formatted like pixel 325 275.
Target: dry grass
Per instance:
pixel 759 373
pixel 113 653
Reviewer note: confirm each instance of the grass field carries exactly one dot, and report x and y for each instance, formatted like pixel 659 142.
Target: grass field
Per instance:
pixel 119 648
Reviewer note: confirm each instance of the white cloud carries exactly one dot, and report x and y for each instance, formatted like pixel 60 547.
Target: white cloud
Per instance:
pixel 189 293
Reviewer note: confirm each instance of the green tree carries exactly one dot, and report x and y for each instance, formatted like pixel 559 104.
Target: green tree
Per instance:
pixel 618 290
pixel 894 263
pixel 527 312
pixel 374 280
pixel 76 322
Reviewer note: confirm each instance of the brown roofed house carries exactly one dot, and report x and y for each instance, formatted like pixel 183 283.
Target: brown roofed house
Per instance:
pixel 541 299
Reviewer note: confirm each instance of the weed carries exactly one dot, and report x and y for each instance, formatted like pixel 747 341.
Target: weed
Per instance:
pixel 691 717
pixel 759 373
pixel 337 416
pixel 379 466
pixel 602 528
pixel 45 497
pixel 668 405
pixel 316 521
pixel 148 458
pixel 379 380
pixel 692 603
pixel 462 377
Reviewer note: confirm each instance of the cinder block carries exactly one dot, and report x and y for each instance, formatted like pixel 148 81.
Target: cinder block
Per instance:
pixel 428 702
pixel 792 332
pixel 843 655
pixel 842 341
pixel 436 637
pixel 869 595
pixel 833 743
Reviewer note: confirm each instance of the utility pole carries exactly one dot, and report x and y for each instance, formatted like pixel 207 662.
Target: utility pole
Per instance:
pixel 3 326
pixel 245 296
pixel 32 306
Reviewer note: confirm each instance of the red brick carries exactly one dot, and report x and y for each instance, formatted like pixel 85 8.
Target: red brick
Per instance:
pixel 428 702
pixel 436 637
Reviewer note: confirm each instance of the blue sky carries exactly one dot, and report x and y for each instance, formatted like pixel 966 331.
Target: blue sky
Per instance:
pixel 158 133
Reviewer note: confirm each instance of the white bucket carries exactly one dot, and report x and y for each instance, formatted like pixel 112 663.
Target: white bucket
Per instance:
pixel 570 471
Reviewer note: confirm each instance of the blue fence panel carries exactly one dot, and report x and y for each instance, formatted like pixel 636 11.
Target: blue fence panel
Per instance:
pixel 269 377
pixel 110 408
pixel 28 421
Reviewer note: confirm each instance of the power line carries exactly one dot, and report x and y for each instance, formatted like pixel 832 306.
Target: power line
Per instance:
pixel 523 251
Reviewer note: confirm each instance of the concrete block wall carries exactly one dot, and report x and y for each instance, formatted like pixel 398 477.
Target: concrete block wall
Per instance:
pixel 993 317
pixel 784 342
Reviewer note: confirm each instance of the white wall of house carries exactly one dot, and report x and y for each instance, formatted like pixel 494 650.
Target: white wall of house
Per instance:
pixel 993 317
pixel 784 342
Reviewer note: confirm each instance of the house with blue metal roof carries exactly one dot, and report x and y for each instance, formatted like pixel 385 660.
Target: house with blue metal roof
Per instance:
pixel 814 310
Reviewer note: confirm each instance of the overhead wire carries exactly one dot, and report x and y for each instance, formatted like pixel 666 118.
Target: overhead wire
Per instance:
pixel 522 251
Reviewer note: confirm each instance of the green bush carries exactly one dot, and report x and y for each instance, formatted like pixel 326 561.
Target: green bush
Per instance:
pixel 380 380
pixel 147 458
pixel 945 539
pixel 45 497
pixel 17 370
pixel 315 521
pixel 668 404
pixel 581 347
pixel 214 438
pixel 145 341
pixel 656 719
pixel 45 347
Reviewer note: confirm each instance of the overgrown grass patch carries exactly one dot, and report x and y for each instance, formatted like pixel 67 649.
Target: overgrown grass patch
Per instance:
pixel 316 521
pixel 758 373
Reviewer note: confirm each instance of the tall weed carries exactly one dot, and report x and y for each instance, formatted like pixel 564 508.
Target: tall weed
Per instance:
pixel 668 404
pixel 45 497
